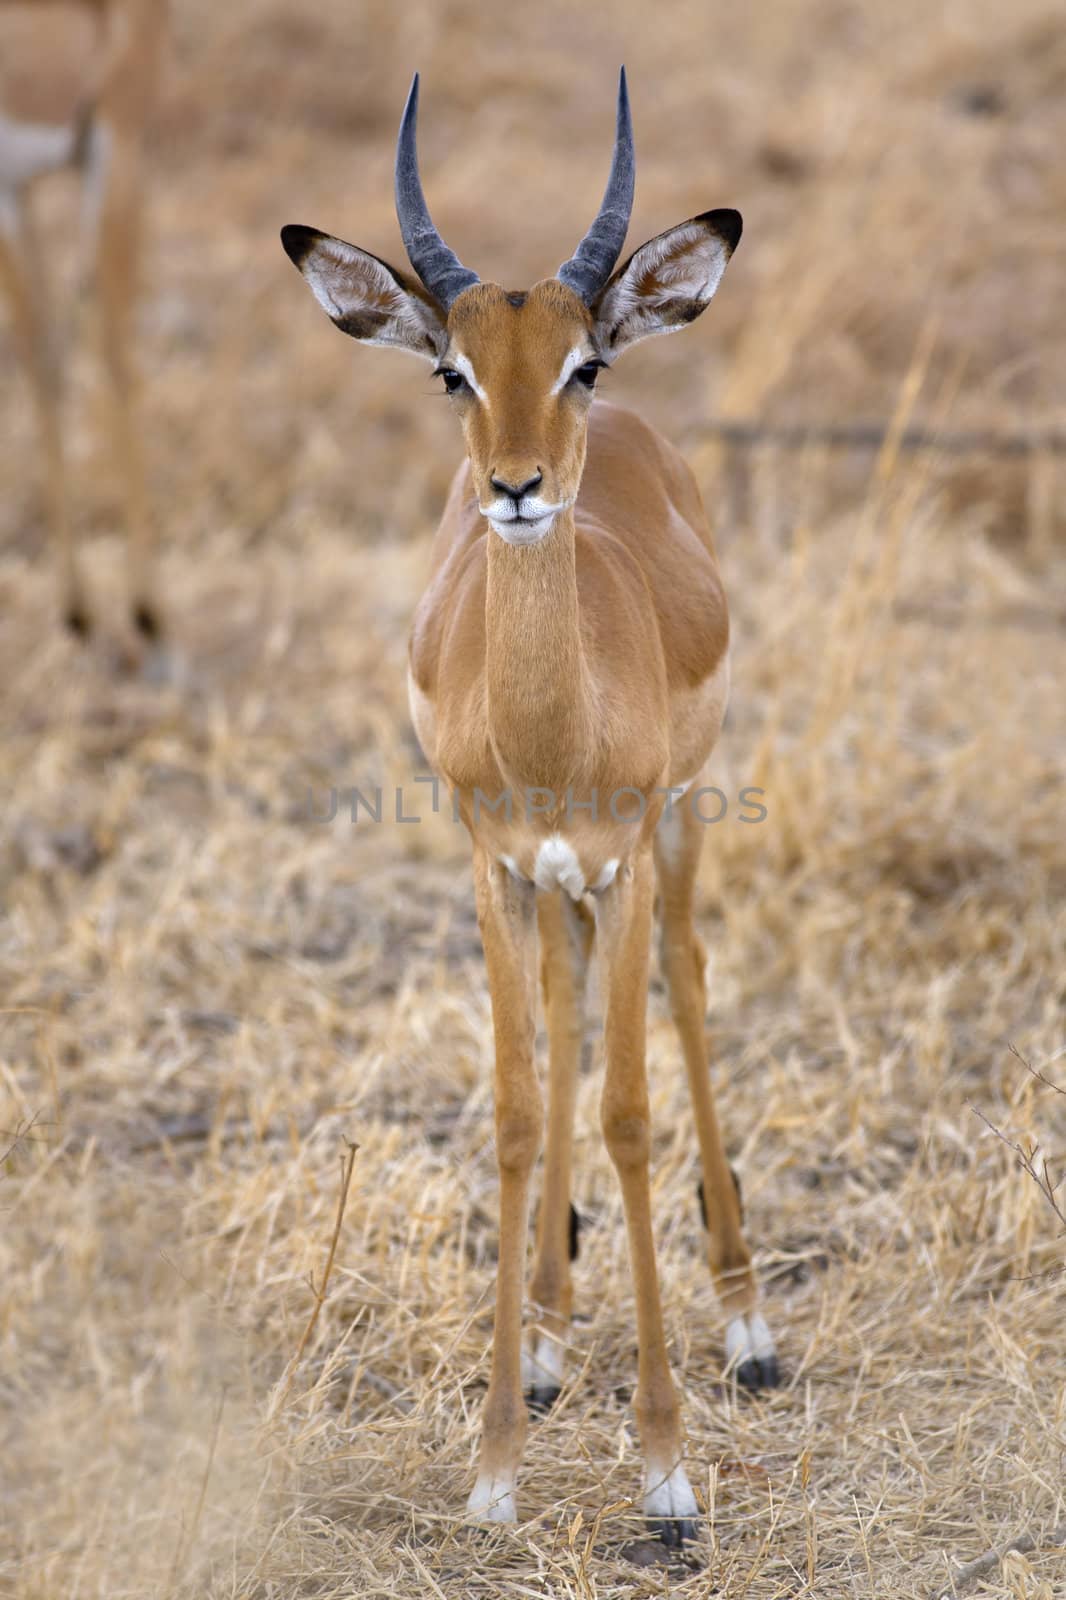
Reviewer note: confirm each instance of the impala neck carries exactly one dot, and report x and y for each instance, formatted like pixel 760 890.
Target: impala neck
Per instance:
pixel 535 667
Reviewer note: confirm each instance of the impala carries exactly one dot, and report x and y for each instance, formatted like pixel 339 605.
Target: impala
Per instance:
pixel 573 641
pixel 63 105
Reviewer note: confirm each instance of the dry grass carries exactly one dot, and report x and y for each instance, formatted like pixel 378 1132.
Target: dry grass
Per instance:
pixel 206 996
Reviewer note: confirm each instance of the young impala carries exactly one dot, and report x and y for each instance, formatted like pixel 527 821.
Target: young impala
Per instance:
pixel 572 647
pixel 77 86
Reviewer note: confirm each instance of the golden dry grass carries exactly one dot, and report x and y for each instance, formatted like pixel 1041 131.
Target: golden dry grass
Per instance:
pixel 205 995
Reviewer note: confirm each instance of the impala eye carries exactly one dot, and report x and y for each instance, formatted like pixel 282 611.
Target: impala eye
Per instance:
pixel 453 381
pixel 586 375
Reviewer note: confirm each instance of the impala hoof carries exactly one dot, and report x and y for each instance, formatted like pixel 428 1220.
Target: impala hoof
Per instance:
pixel 759 1374
pixel 751 1354
pixel 542 1372
pixel 542 1397
pixel 670 1508
pixel 675 1532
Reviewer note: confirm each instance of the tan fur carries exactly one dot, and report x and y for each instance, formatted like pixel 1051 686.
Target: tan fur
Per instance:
pixel 610 633
pixel 595 661
pixel 568 666
pixel 84 76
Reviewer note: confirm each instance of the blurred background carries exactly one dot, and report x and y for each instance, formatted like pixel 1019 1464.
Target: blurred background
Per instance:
pixel 205 994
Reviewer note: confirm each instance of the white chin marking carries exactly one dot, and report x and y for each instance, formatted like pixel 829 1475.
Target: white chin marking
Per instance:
pixel 492 1498
pixel 746 1337
pixel 557 867
pixel 668 1493
pixel 542 1367
pixel 519 533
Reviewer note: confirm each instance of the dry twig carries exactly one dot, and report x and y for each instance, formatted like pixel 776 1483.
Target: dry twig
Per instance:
pixel 872 436
pixel 347 1168
pixel 1047 1185
pixel 19 1135
pixel 981 1565
pixel 188 1535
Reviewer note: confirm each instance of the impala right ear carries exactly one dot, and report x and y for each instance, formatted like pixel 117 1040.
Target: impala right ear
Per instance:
pixel 366 297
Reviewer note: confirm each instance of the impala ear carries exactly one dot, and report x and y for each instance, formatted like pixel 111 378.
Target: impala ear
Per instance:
pixel 366 297
pixel 667 282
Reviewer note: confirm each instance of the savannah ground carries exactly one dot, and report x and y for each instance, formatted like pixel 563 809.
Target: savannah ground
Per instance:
pixel 206 995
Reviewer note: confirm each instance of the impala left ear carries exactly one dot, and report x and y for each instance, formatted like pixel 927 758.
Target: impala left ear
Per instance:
pixel 666 283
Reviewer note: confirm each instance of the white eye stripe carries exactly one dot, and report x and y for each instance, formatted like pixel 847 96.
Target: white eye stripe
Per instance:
pixel 462 364
pixel 575 359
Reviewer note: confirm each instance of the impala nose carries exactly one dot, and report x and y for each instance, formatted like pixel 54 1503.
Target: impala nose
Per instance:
pixel 517 490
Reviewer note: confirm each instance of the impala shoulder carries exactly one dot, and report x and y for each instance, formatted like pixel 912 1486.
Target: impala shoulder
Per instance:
pixel 612 424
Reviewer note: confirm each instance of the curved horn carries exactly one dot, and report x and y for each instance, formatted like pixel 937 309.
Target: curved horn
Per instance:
pixel 439 268
pixel 590 266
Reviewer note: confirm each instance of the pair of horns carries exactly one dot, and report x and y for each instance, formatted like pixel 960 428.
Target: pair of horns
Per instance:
pixel 440 268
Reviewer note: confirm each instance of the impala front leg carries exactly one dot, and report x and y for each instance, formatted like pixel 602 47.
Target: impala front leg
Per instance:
pixel 623 925
pixel 505 909
pixel 566 929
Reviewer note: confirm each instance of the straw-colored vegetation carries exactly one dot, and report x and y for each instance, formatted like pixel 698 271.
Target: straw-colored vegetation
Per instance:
pixel 206 995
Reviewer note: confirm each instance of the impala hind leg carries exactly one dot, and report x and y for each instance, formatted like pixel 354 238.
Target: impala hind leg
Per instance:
pixel 749 1346
pixel 114 182
pixel 506 916
pixel 623 926
pixel 34 338
pixel 566 930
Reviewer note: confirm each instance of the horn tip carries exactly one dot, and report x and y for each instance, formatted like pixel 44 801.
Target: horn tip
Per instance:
pixel 624 119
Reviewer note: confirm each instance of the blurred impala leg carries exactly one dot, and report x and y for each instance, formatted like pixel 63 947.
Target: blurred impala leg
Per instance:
pixel 114 184
pixel 20 276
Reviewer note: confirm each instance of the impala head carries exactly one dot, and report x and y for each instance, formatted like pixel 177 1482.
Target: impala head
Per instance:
pixel 521 368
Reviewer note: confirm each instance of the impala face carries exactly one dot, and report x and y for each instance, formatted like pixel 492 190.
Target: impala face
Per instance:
pixel 521 371
pixel 520 368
